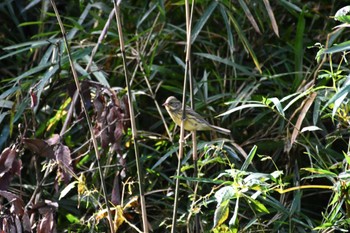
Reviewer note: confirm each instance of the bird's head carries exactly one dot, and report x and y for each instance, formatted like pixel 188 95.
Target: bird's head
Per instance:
pixel 172 103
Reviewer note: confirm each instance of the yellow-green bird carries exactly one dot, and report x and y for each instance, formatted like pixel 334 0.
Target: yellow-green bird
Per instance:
pixel 193 121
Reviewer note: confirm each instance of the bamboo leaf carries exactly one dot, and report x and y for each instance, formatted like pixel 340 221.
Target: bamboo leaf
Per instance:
pixel 245 42
pixel 272 17
pixel 226 62
pixel 249 15
pixel 299 51
pixel 342 47
pixel 257 105
pixel 249 159
pixel 203 19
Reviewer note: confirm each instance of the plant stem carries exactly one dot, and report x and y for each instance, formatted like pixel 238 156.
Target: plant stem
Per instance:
pixel 88 120
pixel 133 123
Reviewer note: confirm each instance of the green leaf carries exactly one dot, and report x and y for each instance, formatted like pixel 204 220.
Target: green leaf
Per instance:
pixel 346 156
pixel 221 213
pixel 6 103
pixel 245 41
pixel 32 71
pixel 342 47
pixel 203 19
pixel 100 75
pixel 224 194
pixel 72 219
pixel 228 28
pixel 320 171
pixel 260 207
pixel 31 44
pixel 338 97
pixel 249 158
pixel 277 104
pixel 341 15
pixel 226 62
pixel 233 223
pixel 147 14
pixel 299 51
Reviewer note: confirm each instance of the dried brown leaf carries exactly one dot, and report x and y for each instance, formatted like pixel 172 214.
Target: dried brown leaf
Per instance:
pixel 272 17
pixel 47 224
pixel 9 166
pixel 63 157
pixel 40 147
pixel 6 160
pixel 301 117
pixel 54 140
pixel 17 204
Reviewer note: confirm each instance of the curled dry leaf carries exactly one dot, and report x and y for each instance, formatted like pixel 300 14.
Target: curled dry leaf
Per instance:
pixel 46 209
pixel 17 204
pixel 54 140
pixel 111 119
pixel 63 157
pixel 40 147
pixel 33 99
pixel 6 160
pixel 9 166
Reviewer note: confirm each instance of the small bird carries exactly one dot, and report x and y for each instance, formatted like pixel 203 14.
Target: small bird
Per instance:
pixel 193 121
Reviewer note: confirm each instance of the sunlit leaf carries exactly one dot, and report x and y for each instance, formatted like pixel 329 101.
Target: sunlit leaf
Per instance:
pixel 342 15
pixel 310 128
pixel 66 189
pixel 259 206
pixel 278 105
pixel 221 213
pixel 320 171
pixel 257 105
pixel 249 159
pixel 203 19
pixel 72 219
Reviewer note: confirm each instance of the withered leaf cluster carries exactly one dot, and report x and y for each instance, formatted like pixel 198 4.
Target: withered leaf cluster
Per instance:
pixel 112 118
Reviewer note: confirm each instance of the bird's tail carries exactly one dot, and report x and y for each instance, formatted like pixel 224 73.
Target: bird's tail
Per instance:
pixel 221 130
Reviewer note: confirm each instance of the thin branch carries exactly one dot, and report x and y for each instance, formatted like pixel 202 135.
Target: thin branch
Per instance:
pixel 182 130
pixel 132 120
pixel 94 141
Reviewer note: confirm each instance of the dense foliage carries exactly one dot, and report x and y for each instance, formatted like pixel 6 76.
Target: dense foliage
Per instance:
pixel 273 72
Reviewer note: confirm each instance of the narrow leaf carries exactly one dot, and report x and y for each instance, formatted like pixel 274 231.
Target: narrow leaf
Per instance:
pixel 272 17
pixel 258 105
pixel 66 190
pixel 245 42
pixel 249 15
pixel 278 105
pixel 310 128
pixel 226 62
pixel 234 220
pixel 345 46
pixel 249 159
pixel 203 19
pixel 299 51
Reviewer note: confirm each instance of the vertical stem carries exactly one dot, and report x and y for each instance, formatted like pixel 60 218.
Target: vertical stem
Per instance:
pixel 182 131
pixel 173 225
pixel 133 123
pixel 194 133
pixel 88 120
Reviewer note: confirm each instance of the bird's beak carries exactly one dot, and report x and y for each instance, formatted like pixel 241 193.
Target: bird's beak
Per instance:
pixel 165 104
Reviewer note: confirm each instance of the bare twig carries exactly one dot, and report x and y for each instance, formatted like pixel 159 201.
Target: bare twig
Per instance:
pixel 182 130
pixel 132 120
